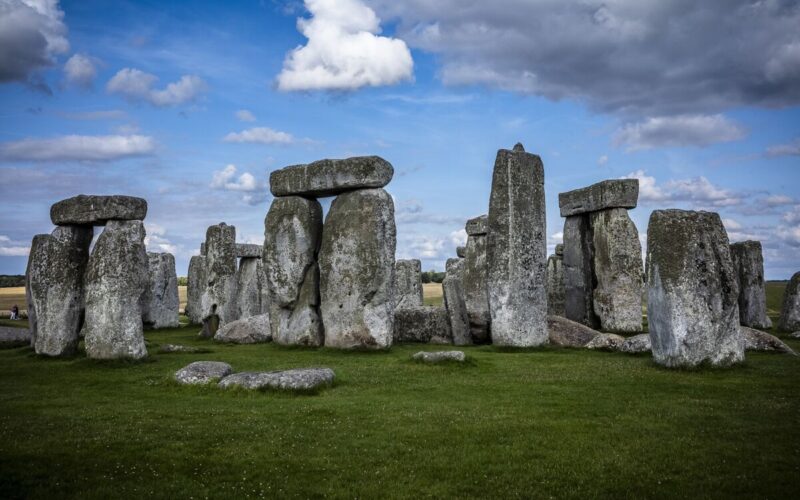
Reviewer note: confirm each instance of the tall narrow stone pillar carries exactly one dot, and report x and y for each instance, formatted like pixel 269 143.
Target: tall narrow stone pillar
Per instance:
pixel 748 264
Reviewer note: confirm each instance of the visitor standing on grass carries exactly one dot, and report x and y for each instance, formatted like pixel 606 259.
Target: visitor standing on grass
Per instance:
pixel 15 312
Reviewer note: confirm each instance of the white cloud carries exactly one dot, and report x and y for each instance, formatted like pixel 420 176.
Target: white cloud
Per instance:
pixel 253 191
pixel 10 248
pixel 789 149
pixel 458 237
pixel 245 116
pixel 731 224
pixel 80 70
pixel 699 192
pixel 344 50
pixel 678 131
pixel 778 200
pixel 792 216
pixel 78 148
pixel 260 135
pixel 136 85
pixel 602 160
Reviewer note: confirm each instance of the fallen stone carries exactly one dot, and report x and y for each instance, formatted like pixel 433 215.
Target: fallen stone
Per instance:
pixel 555 285
pixel 293 231
pixel 438 357
pixel 55 289
pixel 567 333
pixel 202 372
pixel 93 210
pixel 195 287
pixel 517 250
pixel 218 304
pixel 477 226
pixel 408 283
pixel 476 289
pixel 117 278
pixel 357 271
pixel 331 177
pixel 578 273
pixel 461 252
pixel 249 251
pixel 692 306
pixel 790 311
pixel 14 337
pixel 426 324
pixel 248 287
pixel 748 265
pixel 456 306
pixel 304 379
pixel 250 330
pixel 637 344
pixel 161 304
pixel 755 340
pixel 606 342
pixel 617 193
pixel 178 348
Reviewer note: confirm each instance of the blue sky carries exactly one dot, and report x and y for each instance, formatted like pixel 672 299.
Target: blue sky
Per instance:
pixel 159 99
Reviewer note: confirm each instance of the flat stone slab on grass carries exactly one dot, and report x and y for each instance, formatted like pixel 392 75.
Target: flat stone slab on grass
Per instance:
pixel 567 333
pixel 637 344
pixel 97 210
pixel 606 342
pixel 248 250
pixel 302 379
pixel 440 356
pixel 331 177
pixel 202 372
pixel 616 193
pixel 178 348
pixel 14 337
pixel 755 340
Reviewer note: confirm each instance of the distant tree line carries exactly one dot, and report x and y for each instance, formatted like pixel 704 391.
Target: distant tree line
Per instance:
pixel 183 280
pixel 11 280
pixel 432 277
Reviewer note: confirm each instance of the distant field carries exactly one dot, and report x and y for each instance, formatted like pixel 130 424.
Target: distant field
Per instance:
pixel 432 294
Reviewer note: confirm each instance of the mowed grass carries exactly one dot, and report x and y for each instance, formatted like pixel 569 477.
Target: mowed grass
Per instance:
pixel 432 294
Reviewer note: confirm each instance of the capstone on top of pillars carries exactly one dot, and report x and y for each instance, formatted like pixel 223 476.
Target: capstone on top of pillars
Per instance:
pixel 477 226
pixel 616 193
pixel 248 250
pixel 331 177
pixel 96 210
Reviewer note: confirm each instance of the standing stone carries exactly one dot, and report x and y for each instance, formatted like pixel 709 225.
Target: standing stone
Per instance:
pixel 408 283
pixel 748 264
pixel 218 304
pixel 692 305
pixel 790 312
pixel 476 280
pixel 292 234
pixel 517 250
pixel 461 252
pixel 357 270
pixel 331 177
pixel 578 273
pixel 455 304
pixel 455 264
pixel 615 193
pixel 617 297
pixel 95 210
pixel 555 282
pixel 161 299
pixel 117 279
pixel 195 287
pixel 248 287
pixel 55 289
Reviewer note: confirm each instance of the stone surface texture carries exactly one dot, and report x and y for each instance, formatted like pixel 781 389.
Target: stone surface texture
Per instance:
pixel 790 310
pixel 476 289
pixel 248 287
pixel 161 304
pixel 748 264
pixel 408 283
pixel 616 193
pixel 96 210
pixel 692 309
pixel 195 287
pixel 117 279
pixel 426 324
pixel 249 251
pixel 755 340
pixel 202 372
pixel 331 177
pixel 555 285
pixel 177 348
pixel 300 379
pixel 250 330
pixel 439 356
pixel 218 302
pixel 578 271
pixel 455 265
pixel 14 337
pixel 55 289
pixel 461 251
pixel 455 304
pixel 477 226
pixel 606 342
pixel 637 344
pixel 567 333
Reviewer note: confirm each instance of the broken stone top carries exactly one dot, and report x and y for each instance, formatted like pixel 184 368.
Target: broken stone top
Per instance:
pixel 519 147
pixel 97 210
pixel 560 249
pixel 749 244
pixel 331 177
pixel 248 250
pixel 616 193
pixel 477 226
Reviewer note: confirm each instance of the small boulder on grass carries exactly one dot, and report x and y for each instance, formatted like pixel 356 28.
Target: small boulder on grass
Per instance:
pixel 755 340
pixel 606 342
pixel 303 379
pixel 795 335
pixel 202 372
pixel 174 348
pixel 637 344
pixel 439 356
pixel 567 333
pixel 252 330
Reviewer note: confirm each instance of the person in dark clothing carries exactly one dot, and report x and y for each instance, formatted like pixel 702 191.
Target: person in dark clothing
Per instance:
pixel 15 312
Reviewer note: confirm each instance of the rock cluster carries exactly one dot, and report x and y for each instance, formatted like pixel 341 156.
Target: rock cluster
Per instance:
pixel 748 267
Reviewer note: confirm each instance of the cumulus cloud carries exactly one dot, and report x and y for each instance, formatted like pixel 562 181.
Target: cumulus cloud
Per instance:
pixel 698 192
pixel 90 148
pixel 344 50
pixel 11 248
pixel 602 160
pixel 253 191
pixel 678 131
pixel 32 33
pixel 137 86
pixel 156 241
pixel 245 116
pixel 789 149
pixel 80 70
pixel 260 135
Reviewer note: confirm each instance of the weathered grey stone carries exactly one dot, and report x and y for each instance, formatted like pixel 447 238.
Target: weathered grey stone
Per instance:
pixel 427 324
pixel 461 252
pixel 517 250
pixel 440 356
pixel 606 342
pixel 178 348
pixel 790 310
pixel 617 296
pixel 617 193
pixel 331 177
pixel 408 283
pixel 748 265
pixel 357 270
pixel 55 289
pixel 477 226
pixel 195 288
pixel 578 272
pixel 637 344
pixel 14 337
pixel 567 333
pixel 117 279
pixel 795 335
pixel 249 251
pixel 755 340
pixel 248 287
pixel 302 379
pixel 555 285
pixel 161 304
pixel 455 264
pixel 560 250
pixel 202 372
pixel 476 288
pixel 692 304
pixel 96 210
pixel 292 234
pixel 455 304
pixel 202 248
pixel 218 302
pixel 250 330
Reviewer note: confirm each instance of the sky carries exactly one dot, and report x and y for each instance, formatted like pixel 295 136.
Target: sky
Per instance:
pixel 192 104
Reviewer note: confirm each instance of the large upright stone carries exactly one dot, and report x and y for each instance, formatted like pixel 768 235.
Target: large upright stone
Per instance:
pixel 55 289
pixel 692 306
pixel 292 234
pixel 195 287
pixel 616 193
pixel 578 271
pixel 161 299
pixel 476 288
pixel 117 279
pixel 218 304
pixel 248 287
pixel 790 311
pixel 748 264
pixel 408 283
pixel 331 177
pixel 455 304
pixel 617 297
pixel 95 210
pixel 517 250
pixel 555 282
pixel 357 270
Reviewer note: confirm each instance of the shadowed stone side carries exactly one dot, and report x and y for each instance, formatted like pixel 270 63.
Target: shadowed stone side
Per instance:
pixel 455 304
pixel 579 277
pixel 248 287
pixel 161 303
pixel 331 177
pixel 195 287
pixel 218 303
pixel 790 311
pixel 748 264
pixel 357 270
pixel 517 250
pixel 692 308
pixel 555 283
pixel 55 289
pixel 96 210
pixel 117 278
pixel 616 193
pixel 408 283
pixel 461 252
pixel 427 324
pixel 476 288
